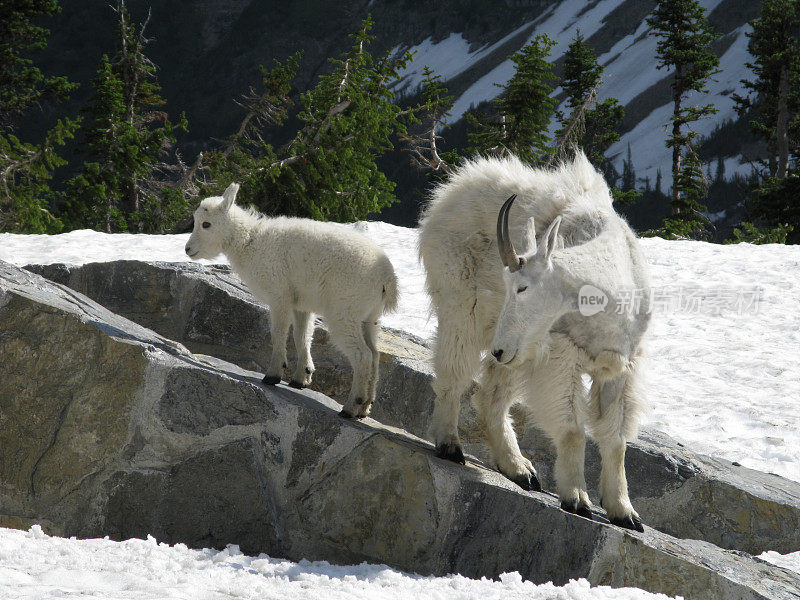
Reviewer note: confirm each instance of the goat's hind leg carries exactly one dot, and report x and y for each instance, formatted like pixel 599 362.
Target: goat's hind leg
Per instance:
pixel 493 400
pixel 371 332
pixel 302 332
pixel 349 336
pixel 456 358
pixel 279 317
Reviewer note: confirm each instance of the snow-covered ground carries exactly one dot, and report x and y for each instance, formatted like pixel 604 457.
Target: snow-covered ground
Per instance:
pixel 724 380
pixel 36 566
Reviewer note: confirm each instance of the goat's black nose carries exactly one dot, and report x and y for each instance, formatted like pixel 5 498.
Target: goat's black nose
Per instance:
pixel 497 353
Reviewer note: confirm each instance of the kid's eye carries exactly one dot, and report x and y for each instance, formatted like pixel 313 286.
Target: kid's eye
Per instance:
pixel 522 289
pixel 206 224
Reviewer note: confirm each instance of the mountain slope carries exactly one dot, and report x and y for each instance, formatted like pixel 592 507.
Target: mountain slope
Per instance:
pixel 208 52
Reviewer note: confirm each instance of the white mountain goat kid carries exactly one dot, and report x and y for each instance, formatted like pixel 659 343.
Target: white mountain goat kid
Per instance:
pixel 299 268
pixel 527 315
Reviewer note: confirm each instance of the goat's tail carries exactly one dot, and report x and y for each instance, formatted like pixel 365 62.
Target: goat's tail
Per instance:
pixel 390 291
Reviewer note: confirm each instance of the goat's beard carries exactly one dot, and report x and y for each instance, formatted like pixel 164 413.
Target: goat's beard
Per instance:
pixel 537 351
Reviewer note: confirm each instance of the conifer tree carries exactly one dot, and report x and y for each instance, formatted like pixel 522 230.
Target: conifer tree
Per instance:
pixel 434 109
pixel 26 167
pixel 124 183
pixel 773 107
pixel 773 100
pixel 521 114
pixel 687 220
pixel 684 46
pixel 582 75
pixel 246 156
pixel 328 170
pixel 628 182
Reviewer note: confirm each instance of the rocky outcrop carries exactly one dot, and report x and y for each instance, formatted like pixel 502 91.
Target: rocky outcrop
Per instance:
pixel 675 490
pixel 111 429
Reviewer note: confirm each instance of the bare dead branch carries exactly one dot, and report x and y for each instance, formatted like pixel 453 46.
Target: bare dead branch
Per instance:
pixel 575 126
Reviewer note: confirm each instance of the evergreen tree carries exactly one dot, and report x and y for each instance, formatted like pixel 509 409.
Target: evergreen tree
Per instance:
pixel 773 106
pixel 720 176
pixel 434 109
pixel 684 46
pixel 747 232
pixel 582 75
pixel 246 155
pixel 687 220
pixel 328 171
pixel 776 203
pixel 521 114
pixel 124 183
pixel 773 100
pixel 26 167
pixel 628 182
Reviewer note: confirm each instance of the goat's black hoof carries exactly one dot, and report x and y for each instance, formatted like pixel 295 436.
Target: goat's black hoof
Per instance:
pixel 346 414
pixel 527 481
pixel 271 380
pixel 577 509
pixel 451 452
pixel 629 522
pixel 296 385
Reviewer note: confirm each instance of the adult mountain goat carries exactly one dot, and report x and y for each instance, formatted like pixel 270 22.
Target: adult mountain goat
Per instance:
pixel 301 267
pixel 538 341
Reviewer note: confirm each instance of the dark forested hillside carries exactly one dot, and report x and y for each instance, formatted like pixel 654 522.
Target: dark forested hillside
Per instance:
pixel 208 52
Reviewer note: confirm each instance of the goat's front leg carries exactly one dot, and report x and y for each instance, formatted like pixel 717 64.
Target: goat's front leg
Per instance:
pixel 554 394
pixel 302 332
pixel 613 415
pixel 493 400
pixel 279 318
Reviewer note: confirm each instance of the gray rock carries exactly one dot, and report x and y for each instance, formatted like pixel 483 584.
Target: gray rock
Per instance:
pixel 109 429
pixel 675 490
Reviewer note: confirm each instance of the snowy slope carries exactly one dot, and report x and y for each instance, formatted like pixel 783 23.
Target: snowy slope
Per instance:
pixel 630 70
pixel 723 383
pixel 36 566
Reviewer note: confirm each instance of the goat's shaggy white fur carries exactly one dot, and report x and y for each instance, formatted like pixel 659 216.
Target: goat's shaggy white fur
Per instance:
pixel 589 244
pixel 299 268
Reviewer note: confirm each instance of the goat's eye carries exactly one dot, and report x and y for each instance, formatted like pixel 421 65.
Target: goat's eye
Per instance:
pixel 522 289
pixel 206 224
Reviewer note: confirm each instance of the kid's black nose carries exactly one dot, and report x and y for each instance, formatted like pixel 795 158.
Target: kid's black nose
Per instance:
pixel 497 354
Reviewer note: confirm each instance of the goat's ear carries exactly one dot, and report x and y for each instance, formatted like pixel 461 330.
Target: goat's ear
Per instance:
pixel 551 237
pixel 530 237
pixel 229 195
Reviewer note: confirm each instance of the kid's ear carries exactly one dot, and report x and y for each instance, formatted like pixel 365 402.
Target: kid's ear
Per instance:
pixel 229 195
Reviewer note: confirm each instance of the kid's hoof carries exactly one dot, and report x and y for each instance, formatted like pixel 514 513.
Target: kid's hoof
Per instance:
pixel 346 414
pixel 451 452
pixel 271 380
pixel 527 481
pixel 629 522
pixel 574 508
pixel 296 385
